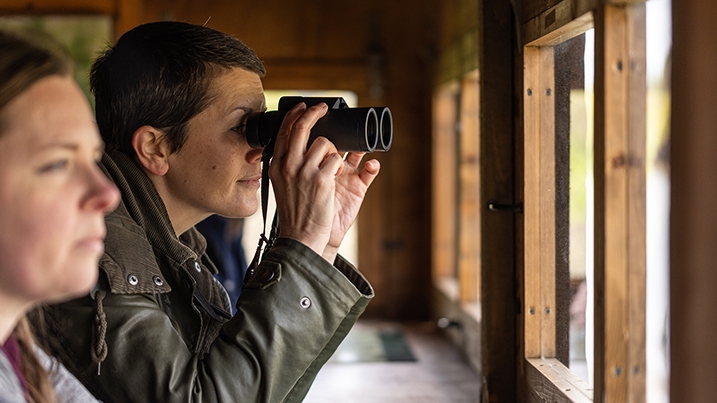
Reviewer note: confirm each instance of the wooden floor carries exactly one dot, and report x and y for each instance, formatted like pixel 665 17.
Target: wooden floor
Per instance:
pixel 440 374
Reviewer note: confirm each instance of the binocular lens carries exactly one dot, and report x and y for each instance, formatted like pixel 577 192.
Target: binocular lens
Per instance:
pixel 386 136
pixel 371 130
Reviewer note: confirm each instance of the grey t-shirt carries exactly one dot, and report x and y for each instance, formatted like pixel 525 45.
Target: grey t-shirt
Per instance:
pixel 10 388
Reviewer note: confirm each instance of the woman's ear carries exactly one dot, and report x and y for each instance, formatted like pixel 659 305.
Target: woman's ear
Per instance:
pixel 151 149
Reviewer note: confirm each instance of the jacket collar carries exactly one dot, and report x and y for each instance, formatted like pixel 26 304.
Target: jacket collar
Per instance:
pixel 140 228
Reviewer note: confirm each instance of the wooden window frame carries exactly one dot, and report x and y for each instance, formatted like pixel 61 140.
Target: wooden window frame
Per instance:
pixel 619 157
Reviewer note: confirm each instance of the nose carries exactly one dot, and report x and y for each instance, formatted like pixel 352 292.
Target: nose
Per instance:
pixel 254 155
pixel 102 194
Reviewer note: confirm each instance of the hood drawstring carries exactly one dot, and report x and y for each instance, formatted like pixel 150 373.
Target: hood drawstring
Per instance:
pixel 98 349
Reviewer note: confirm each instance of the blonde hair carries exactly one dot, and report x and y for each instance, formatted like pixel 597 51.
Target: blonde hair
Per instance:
pixel 37 381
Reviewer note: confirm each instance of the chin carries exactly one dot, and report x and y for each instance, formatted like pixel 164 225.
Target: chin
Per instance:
pixel 85 276
pixel 241 211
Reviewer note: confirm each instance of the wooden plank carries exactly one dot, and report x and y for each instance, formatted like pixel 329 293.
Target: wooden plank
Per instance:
pixel 57 7
pixel 497 131
pixel 636 199
pixel 531 204
pixel 623 2
pixel 533 8
pixel 693 223
pixel 550 381
pixel 444 181
pixel 547 201
pixel 558 23
pixel 620 204
pixel 129 14
pixel 615 207
pixel 469 220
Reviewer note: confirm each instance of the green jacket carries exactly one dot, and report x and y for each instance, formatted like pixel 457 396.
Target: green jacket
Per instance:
pixel 155 329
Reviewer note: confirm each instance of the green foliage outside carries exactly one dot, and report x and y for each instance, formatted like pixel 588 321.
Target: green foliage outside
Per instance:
pixel 83 36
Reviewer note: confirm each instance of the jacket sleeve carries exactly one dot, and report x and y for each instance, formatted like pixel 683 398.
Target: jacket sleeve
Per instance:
pixel 291 316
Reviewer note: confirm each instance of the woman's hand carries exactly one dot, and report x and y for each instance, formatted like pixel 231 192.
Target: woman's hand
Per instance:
pixel 351 186
pixel 318 192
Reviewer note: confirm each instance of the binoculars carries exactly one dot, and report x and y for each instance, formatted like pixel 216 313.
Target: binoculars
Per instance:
pixel 350 129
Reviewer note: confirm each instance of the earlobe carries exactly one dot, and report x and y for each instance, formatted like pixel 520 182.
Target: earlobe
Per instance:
pixel 149 145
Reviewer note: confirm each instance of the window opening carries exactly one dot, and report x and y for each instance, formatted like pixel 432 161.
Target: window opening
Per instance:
pixel 574 202
pixel 657 295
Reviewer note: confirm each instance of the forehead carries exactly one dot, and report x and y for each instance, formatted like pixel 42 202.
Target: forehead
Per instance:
pixel 52 110
pixel 236 85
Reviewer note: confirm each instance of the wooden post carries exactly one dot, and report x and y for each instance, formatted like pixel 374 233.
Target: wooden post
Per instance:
pixel 620 107
pixel 693 223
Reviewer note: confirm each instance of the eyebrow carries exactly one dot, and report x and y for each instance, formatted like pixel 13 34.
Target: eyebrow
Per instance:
pixel 246 109
pixel 100 146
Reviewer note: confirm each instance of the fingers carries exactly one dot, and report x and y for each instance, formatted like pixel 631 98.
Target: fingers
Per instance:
pixel 353 159
pixel 369 172
pixel 282 138
pixel 323 153
pixel 294 133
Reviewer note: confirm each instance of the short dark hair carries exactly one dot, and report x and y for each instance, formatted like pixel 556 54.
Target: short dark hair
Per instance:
pixel 158 74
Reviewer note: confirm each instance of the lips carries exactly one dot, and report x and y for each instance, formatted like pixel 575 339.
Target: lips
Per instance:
pixel 96 244
pixel 253 181
pixel 94 241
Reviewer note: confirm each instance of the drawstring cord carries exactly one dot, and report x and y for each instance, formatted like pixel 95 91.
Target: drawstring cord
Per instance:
pixel 99 331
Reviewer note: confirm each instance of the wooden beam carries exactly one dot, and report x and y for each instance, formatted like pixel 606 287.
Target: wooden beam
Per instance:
pixel 469 253
pixel 558 23
pixel 546 146
pixel 539 194
pixel 531 201
pixel 57 7
pixel 550 381
pixel 498 334
pixel 128 14
pixel 693 223
pixel 620 204
pixel 444 181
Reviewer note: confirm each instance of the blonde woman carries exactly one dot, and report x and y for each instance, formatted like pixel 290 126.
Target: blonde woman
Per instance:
pixel 53 199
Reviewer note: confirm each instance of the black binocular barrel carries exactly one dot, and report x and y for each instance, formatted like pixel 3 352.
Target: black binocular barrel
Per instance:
pixel 354 129
pixel 349 129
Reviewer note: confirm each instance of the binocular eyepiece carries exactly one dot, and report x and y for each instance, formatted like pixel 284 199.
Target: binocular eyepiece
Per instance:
pixel 350 129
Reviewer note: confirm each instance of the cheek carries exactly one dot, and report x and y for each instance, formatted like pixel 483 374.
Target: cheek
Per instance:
pixel 29 259
pixel 37 245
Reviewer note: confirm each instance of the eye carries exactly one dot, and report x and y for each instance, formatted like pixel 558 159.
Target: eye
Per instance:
pixel 54 166
pixel 239 129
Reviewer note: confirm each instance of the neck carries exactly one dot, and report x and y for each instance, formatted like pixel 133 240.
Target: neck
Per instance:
pixel 182 216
